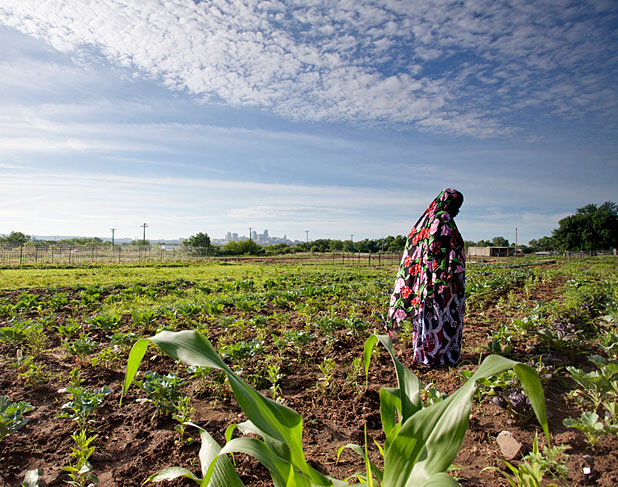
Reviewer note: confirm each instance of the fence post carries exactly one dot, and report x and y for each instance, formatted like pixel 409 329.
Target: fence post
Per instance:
pixel 21 254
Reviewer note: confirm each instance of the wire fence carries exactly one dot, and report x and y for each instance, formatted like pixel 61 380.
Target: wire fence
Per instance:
pixel 54 255
pixel 58 254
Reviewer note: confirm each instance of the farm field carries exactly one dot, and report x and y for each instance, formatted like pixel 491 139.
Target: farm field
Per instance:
pixel 295 331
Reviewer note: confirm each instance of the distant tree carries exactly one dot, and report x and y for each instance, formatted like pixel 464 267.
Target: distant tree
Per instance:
pixel 395 244
pixel 591 228
pixel 278 249
pixel 543 244
pixel 335 245
pixel 197 240
pixel 15 238
pixel 246 247
pixel 483 243
pixel 140 243
pixel 499 242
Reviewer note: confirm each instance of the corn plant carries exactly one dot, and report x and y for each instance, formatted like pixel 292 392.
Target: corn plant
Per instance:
pixel 280 427
pixel 421 443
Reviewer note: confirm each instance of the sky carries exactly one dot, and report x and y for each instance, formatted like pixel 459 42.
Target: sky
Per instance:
pixel 340 118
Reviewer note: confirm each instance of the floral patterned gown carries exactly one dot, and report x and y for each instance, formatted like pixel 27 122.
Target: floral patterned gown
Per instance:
pixel 429 288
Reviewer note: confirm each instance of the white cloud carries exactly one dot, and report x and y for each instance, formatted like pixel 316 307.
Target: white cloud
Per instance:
pixel 362 61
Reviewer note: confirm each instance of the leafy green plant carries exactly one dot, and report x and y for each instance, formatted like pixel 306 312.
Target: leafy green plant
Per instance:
pixel 145 320
pixel 240 351
pixel 274 376
pixel 325 380
pixel 16 333
pixel 491 386
pixel 81 473
pixel 597 386
pixel 162 390
pixel 28 371
pixel 82 346
pixel 123 340
pixel 69 329
pixel 58 301
pixel 106 358
pixel 591 425
pixel 420 442
pixel 182 414
pixel 12 415
pixel 83 403
pixel 107 322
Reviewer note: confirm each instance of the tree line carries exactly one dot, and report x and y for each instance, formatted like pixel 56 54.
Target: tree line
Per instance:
pixel 591 228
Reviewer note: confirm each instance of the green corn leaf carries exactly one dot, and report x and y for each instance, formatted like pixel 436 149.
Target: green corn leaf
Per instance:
pixel 430 438
pixel 390 402
pixel 408 391
pixel 377 471
pixel 172 473
pixel 277 422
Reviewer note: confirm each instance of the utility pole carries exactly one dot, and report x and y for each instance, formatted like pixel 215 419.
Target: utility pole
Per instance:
pixel 515 241
pixel 144 227
pixel 307 232
pixel 113 230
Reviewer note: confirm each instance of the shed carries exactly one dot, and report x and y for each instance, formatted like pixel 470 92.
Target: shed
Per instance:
pixel 490 251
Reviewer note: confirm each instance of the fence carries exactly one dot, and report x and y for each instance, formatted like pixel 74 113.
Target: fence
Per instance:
pixel 49 254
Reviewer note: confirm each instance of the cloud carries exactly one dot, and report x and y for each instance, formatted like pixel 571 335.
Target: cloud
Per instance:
pixel 462 68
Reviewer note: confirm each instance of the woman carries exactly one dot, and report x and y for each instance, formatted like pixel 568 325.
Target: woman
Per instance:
pixel 429 289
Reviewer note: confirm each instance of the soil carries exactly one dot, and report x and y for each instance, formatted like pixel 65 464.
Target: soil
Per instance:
pixel 133 442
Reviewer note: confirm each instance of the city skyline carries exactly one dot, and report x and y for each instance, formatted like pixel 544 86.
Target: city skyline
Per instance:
pixel 342 118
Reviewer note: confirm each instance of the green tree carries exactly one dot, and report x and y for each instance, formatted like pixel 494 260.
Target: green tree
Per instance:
pixel 246 247
pixel 591 228
pixel 15 238
pixel 140 243
pixel 499 242
pixel 197 240
pixel 543 244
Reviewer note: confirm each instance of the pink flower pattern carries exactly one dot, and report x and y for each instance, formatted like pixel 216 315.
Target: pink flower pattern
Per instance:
pixel 429 287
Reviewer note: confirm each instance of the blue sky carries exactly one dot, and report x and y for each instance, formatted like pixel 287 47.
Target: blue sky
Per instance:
pixel 339 118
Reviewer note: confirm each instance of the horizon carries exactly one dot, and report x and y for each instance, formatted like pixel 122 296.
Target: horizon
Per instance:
pixel 337 119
